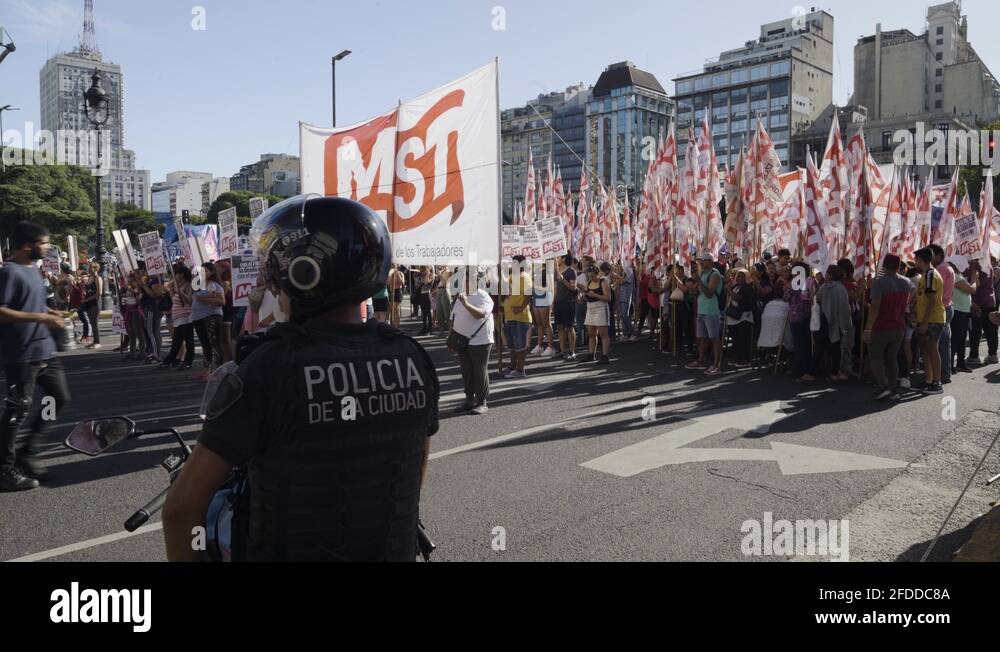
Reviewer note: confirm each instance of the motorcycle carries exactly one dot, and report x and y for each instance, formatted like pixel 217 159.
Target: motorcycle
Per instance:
pixel 225 524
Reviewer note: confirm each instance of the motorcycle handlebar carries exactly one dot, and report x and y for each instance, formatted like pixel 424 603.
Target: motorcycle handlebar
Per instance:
pixel 138 519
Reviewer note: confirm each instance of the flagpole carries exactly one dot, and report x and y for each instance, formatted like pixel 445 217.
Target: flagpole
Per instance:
pixel 499 323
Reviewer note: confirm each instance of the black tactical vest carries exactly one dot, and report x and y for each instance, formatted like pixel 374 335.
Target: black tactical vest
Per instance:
pixel 340 477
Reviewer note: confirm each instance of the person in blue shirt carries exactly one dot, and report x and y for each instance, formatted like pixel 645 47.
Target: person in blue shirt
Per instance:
pixel 28 356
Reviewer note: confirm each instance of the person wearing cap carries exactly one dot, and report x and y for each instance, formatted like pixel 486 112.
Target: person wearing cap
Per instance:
pixel 709 324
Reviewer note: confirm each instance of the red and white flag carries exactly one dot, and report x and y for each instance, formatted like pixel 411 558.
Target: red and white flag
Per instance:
pixel 989 217
pixel 817 251
pixel 530 208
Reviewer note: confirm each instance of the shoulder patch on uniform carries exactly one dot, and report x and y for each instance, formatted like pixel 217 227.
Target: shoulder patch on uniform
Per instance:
pixel 229 392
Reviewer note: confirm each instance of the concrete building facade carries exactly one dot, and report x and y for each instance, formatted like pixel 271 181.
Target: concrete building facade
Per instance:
pixel 626 115
pixel 784 78
pixel 900 73
pixel 62 82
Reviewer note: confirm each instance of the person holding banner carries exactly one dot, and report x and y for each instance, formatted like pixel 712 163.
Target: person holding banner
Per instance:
pixel 152 292
pixel 181 299
pixel 206 315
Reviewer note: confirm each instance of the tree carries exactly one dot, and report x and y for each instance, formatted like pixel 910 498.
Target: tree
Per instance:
pixel 136 220
pixel 59 197
pixel 241 200
pixel 973 175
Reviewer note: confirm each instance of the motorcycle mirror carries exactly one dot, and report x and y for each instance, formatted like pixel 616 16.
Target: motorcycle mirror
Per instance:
pixel 94 437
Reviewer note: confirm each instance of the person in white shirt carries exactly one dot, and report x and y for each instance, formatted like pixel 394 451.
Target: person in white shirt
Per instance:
pixel 473 318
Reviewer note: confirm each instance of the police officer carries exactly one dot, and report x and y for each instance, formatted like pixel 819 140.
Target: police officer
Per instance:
pixel 331 415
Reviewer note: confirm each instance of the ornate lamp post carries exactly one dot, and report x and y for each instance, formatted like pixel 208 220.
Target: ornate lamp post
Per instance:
pixel 96 107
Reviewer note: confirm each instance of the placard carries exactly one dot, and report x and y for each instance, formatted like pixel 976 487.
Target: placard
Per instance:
pixel 229 233
pixel 245 270
pixel 257 207
pixel 152 253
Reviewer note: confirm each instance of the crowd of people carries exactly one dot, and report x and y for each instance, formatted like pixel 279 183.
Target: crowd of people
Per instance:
pixel 929 315
pixel 911 326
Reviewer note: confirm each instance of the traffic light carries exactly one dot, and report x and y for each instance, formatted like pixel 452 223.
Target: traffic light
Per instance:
pixel 184 215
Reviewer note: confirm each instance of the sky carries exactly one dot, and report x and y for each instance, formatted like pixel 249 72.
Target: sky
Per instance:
pixel 213 100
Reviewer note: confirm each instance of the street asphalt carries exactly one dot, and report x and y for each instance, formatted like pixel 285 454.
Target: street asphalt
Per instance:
pixel 543 476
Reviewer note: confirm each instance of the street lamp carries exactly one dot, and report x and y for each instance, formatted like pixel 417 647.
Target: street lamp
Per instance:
pixel 5 48
pixel 333 64
pixel 3 164
pixel 95 106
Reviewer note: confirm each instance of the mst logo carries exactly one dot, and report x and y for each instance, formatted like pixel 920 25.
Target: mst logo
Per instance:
pixel 411 175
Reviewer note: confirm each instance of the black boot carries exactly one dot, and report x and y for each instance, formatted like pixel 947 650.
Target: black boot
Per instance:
pixel 11 479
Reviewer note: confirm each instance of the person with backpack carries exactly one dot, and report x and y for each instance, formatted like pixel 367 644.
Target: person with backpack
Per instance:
pixel 709 325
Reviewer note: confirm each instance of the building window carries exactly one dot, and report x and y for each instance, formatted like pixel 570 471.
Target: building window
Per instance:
pixel 938 88
pixel 939 56
pixel 940 31
pixel 939 72
pixel 718 81
pixel 938 104
pixel 740 76
pixel 780 68
pixel 758 73
pixel 940 41
pixel 886 140
pixel 684 87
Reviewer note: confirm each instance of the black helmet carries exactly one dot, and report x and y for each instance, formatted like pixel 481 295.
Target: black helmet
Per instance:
pixel 323 252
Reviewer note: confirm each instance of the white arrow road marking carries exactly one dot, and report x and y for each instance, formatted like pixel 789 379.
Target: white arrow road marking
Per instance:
pixel 668 449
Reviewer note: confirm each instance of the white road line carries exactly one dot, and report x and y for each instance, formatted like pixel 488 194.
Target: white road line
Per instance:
pixel 529 382
pixel 89 543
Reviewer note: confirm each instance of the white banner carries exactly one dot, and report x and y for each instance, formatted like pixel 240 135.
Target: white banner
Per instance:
pixel 540 241
pixel 551 237
pixel 117 320
pixel 182 239
pixel 429 168
pixel 521 241
pixel 257 206
pixel 229 234
pixel 968 237
pixel 245 271
pixel 73 252
pixel 152 253
pixel 50 264
pixel 199 256
pixel 125 252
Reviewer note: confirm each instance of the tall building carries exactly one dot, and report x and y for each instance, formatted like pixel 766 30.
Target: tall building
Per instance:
pixel 210 191
pixel 898 73
pixel 276 174
pixel 785 78
pixel 62 82
pixel 182 191
pixel 628 112
pixel 527 128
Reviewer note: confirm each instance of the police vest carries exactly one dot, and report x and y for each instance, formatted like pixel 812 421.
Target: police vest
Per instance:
pixel 340 480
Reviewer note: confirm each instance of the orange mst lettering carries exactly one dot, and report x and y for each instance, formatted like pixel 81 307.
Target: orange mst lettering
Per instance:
pixel 422 179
